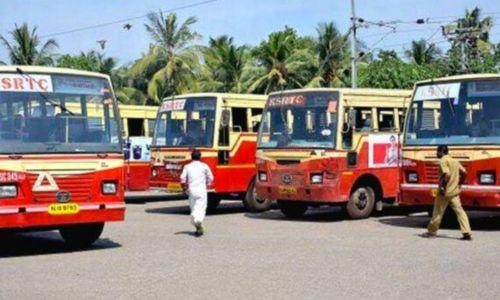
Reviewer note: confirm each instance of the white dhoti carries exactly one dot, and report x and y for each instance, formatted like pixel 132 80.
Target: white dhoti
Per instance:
pixel 198 205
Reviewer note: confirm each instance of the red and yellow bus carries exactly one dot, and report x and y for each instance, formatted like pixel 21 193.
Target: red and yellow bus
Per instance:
pixel 330 147
pixel 223 127
pixel 60 167
pixel 462 112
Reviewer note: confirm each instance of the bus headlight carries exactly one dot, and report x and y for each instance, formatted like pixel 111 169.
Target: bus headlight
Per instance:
pixel 154 173
pixel 263 176
pixel 487 178
pixel 109 188
pixel 8 191
pixel 316 178
pixel 412 177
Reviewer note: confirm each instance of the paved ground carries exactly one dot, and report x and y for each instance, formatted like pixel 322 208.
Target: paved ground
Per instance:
pixel 154 255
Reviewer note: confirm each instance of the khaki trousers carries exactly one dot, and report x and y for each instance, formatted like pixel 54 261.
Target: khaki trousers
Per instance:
pixel 440 205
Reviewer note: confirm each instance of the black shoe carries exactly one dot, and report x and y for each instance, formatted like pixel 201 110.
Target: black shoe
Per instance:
pixel 199 230
pixel 429 235
pixel 466 237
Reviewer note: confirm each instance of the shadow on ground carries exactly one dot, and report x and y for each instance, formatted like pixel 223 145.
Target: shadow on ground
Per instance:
pixel 225 207
pixel 143 200
pixel 482 221
pixel 42 243
pixel 324 214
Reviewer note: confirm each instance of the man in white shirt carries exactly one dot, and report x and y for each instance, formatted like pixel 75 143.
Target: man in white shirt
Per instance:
pixel 195 178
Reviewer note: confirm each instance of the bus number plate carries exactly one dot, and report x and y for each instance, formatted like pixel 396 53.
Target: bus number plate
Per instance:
pixel 174 187
pixel 64 209
pixel 287 190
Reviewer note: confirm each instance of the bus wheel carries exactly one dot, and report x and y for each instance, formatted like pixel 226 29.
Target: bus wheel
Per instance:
pixel 292 209
pixel 81 236
pixel 213 202
pixel 254 204
pixel 361 202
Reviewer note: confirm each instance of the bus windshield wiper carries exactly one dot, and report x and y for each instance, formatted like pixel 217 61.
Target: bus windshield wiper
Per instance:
pixel 47 100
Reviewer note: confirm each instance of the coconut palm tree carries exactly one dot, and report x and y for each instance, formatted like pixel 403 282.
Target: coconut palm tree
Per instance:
pixel 284 60
pixel 224 65
pixel 171 63
pixel 422 53
pixel 333 55
pixel 25 47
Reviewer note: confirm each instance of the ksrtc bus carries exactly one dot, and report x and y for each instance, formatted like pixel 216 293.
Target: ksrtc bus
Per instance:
pixel 223 127
pixel 61 167
pixel 462 112
pixel 330 146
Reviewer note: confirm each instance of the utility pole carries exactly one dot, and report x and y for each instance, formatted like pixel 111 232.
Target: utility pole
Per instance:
pixel 354 54
pixel 463 67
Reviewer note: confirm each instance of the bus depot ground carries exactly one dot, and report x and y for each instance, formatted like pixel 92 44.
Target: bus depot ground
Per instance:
pixel 153 254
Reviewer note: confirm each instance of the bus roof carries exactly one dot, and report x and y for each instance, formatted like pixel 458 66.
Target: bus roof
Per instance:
pixel 461 77
pixel 222 95
pixel 39 69
pixel 359 91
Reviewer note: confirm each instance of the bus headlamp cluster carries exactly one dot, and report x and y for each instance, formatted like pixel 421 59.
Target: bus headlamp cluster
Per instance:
pixel 263 176
pixel 8 191
pixel 109 188
pixel 412 177
pixel 316 178
pixel 487 178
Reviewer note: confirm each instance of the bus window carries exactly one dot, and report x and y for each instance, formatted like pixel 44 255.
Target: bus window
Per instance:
pixel 240 122
pixel 135 127
pixel 386 119
pixel 363 119
pixel 151 127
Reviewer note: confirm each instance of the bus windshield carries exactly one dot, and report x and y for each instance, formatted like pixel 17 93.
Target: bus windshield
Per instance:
pixel 186 122
pixel 455 113
pixel 56 113
pixel 299 120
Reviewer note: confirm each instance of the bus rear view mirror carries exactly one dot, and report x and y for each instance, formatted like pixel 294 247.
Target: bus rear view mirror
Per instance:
pixel 352 118
pixel 226 115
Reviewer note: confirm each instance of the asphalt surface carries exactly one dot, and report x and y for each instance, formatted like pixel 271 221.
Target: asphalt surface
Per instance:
pixel 256 256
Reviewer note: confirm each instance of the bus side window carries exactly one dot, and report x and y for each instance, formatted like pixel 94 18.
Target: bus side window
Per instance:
pixel 256 118
pixel 386 119
pixel 363 118
pixel 240 122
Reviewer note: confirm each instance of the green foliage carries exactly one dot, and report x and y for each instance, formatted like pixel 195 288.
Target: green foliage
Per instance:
pixel 25 47
pixel 285 61
pixel 333 56
pixel 90 61
pixel 224 65
pixel 395 74
pixel 422 53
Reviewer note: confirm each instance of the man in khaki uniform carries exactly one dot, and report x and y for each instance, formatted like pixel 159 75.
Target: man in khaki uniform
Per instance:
pixel 451 174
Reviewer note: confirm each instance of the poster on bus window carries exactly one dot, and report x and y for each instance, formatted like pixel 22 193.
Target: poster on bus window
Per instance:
pixel 383 150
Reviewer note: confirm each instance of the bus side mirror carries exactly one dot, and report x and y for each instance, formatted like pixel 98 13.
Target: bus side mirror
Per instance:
pixel 352 118
pixel 226 115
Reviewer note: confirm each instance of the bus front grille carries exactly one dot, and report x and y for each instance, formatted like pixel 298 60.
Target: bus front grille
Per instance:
pixel 79 186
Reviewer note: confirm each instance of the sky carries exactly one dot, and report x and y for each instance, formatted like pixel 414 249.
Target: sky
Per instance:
pixel 248 21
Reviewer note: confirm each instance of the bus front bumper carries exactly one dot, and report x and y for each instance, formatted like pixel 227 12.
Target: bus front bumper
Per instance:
pixel 312 193
pixel 26 216
pixel 479 196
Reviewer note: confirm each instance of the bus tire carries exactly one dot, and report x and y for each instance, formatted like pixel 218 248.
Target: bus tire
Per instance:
pixel 213 202
pixel 292 209
pixel 81 235
pixel 252 203
pixel 361 202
